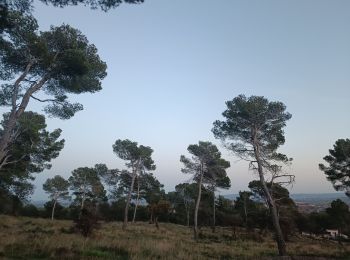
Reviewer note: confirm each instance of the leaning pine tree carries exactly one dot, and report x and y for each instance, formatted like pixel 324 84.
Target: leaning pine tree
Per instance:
pixel 253 130
pixel 45 67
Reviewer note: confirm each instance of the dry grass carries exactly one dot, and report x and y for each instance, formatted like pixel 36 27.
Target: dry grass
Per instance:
pixel 29 238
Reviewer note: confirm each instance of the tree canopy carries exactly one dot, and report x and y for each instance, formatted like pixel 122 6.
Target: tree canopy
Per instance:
pixel 26 5
pixel 30 152
pixel 255 116
pixel 57 188
pixel 253 130
pixel 206 160
pixel 207 166
pixel 86 186
pixel 58 62
pixel 135 155
pixel 44 66
pixel 139 159
pixel 338 169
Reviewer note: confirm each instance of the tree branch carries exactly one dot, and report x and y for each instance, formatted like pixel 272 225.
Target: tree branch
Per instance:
pixel 17 82
pixel 46 100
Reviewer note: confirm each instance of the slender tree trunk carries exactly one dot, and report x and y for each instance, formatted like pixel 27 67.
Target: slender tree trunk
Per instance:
pixel 53 210
pixel 245 211
pixel 128 201
pixel 137 200
pixel 195 227
pixel 214 220
pixel 188 217
pixel 156 220
pixel 151 216
pixel 82 204
pixel 271 203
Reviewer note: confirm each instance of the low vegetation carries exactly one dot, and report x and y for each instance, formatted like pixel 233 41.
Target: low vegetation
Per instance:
pixel 29 238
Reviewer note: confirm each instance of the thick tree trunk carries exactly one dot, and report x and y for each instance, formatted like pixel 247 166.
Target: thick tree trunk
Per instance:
pixel 214 217
pixel 137 200
pixel 16 112
pixel 128 201
pixel 82 205
pixel 195 226
pixel 7 136
pixel 53 210
pixel 271 203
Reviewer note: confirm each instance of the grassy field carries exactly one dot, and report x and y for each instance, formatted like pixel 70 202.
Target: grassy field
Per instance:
pixel 30 238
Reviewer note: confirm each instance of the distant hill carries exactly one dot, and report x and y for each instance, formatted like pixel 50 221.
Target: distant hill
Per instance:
pixel 311 198
pixel 319 198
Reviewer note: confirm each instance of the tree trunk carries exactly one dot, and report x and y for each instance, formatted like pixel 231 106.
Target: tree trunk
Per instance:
pixel 6 138
pixel 188 217
pixel 53 210
pixel 214 220
pixel 195 227
pixel 82 205
pixel 137 200
pixel 15 113
pixel 128 202
pixel 271 203
pixel 151 217
pixel 245 212
pixel 156 220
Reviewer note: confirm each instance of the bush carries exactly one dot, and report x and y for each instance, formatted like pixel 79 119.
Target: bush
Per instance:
pixel 87 222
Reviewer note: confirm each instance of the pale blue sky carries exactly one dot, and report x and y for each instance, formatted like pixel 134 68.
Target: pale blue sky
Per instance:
pixel 172 64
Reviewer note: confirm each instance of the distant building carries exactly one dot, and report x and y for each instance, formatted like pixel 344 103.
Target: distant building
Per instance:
pixel 334 233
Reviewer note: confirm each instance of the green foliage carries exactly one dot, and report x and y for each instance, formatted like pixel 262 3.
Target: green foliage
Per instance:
pixel 245 206
pixel 87 222
pixel 185 193
pixel 60 211
pixel 338 169
pixel 151 190
pixel 253 119
pixel 286 207
pixel 206 160
pixel 278 192
pixel 134 154
pixel 9 203
pixel 31 152
pixel 94 4
pixel 58 62
pixel 121 186
pixel 86 186
pixel 30 210
pixel 56 187
pixel 26 5
pixel 339 214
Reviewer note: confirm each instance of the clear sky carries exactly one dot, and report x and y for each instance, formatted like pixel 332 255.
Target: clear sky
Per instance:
pixel 172 64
